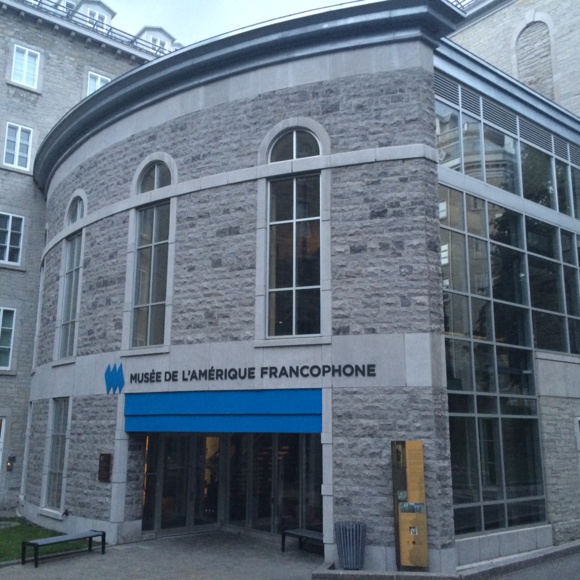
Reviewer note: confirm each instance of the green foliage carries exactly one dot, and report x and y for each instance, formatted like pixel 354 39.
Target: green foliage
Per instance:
pixel 11 539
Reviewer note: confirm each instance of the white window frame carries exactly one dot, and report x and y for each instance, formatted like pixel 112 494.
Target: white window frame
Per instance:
pixel 18 142
pixel 310 165
pixel 95 81
pixel 4 328
pixel 10 234
pixel 159 43
pixel 27 55
pixel 57 451
pixel 98 19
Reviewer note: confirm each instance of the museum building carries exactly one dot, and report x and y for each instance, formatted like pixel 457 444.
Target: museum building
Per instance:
pixel 271 255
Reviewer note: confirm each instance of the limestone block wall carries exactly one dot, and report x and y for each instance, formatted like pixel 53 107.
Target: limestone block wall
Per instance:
pixel 36 451
pixel 494 38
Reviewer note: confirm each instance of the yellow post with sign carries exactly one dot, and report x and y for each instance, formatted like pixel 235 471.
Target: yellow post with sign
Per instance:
pixel 410 509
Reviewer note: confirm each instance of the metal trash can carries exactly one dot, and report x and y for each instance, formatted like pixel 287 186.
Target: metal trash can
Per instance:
pixel 350 542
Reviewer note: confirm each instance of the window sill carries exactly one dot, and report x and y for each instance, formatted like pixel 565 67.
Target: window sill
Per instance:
pixel 14 267
pixel 7 373
pixel 17 169
pixel 145 351
pixel 23 86
pixel 293 341
pixel 52 514
pixel 61 362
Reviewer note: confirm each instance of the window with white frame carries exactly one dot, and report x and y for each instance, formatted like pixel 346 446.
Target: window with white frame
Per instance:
pixel 56 461
pixel 11 228
pixel 98 19
pixel 151 260
pixel 72 276
pixel 294 218
pixel 17 147
pixel 25 66
pixel 96 81
pixel 7 316
pixel 159 44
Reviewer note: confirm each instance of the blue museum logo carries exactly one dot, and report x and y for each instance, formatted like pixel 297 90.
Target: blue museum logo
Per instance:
pixel 114 378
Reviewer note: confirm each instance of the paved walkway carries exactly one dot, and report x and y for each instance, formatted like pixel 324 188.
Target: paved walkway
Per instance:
pixel 212 556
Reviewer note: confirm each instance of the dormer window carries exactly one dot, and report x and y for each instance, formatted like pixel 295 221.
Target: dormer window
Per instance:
pixel 98 19
pixel 159 44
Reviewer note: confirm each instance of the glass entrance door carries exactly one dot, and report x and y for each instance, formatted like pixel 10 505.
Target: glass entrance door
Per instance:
pixel 175 482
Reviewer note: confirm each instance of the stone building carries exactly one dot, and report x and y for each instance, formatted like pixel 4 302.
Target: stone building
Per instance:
pixel 302 246
pixel 54 54
pixel 534 41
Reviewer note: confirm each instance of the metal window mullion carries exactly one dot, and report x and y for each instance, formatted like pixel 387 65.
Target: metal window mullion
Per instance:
pixel 294 246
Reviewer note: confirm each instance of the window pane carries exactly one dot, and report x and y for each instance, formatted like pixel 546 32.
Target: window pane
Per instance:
pixel 505 226
pixel 508 274
pixel 306 144
pixel 145 219
pixel 515 371
pixel 501 160
pixel 308 311
pixel 464 461
pixel 459 367
pixel 307 196
pixel 572 294
pixel 283 148
pixel 451 208
pixel 456 314
pixel 494 516
pixel 281 200
pixel 576 190
pixel 467 520
pixel 281 256
pixel 476 218
pixel 163 175
pixel 481 319
pixel 484 368
pixel 448 136
pixel 308 253
pixel 574 335
pixel 159 281
pixel 472 147
pixel 280 314
pixel 453 266
pixel 564 190
pixel 162 222
pixel 542 238
pixel 157 324
pixel 545 284
pixel 489 449
pixel 549 331
pixel 511 324
pixel 568 247
pixel 140 326
pixel 518 406
pixel 148 180
pixel 521 447
pixel 478 266
pixel 528 512
pixel 143 277
pixel 537 181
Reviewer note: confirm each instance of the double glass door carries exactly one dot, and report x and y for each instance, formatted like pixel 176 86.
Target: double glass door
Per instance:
pixel 181 482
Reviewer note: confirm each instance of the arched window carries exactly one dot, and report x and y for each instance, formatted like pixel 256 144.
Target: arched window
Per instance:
pixel 76 210
pixel 534 55
pixel 71 281
pixel 155 175
pixel 294 241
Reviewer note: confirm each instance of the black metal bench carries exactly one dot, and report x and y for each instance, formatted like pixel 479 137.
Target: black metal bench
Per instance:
pixel 302 535
pixel 36 544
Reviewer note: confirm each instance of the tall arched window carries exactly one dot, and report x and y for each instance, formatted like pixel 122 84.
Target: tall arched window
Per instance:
pixel 534 54
pixel 294 241
pixel 72 277
pixel 151 259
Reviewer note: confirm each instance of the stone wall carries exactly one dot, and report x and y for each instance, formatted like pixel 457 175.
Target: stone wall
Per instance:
pixel 92 432
pixel 494 39
pixel 36 452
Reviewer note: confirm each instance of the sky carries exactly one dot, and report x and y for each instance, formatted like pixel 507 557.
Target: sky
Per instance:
pixel 191 21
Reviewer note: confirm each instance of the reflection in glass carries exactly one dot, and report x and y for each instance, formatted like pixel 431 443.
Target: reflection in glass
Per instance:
pixel 564 191
pixel 458 359
pixel 515 371
pixel 476 219
pixel 505 226
pixel 494 516
pixel 451 208
pixel 575 187
pixel 511 324
pixel 542 238
pixel 456 314
pixel 471 132
pixel 490 458
pixel 464 469
pixel 574 335
pixel 545 284
pixel 537 178
pixel 478 266
pixel 447 120
pixel 568 254
pixel 526 512
pixel 549 331
pixel 453 266
pixel 508 274
pixel 521 447
pixel 481 319
pixel 467 520
pixel 501 160
pixel 484 368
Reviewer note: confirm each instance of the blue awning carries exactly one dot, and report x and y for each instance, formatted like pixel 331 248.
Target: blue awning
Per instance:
pixel 269 411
